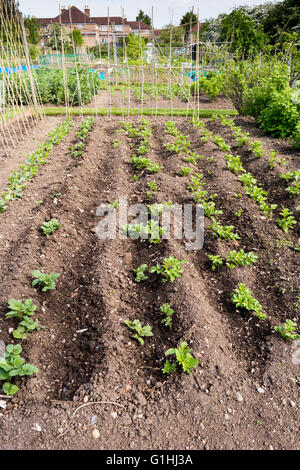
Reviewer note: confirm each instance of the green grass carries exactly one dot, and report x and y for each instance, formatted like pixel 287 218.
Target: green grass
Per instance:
pixel 204 113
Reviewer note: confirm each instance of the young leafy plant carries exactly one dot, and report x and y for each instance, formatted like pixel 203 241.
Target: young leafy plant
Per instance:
pixel 140 273
pixel 168 312
pixel 45 281
pixel 13 365
pixel 183 359
pixel 170 270
pixel 139 331
pixel 287 331
pixel 48 228
pixel 287 220
pixel 25 327
pixel 19 309
pixel 243 297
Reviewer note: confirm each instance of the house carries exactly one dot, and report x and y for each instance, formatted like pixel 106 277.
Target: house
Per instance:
pixel 95 30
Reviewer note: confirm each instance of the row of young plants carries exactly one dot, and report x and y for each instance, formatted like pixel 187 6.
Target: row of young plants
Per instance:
pixel 286 221
pixel 242 138
pixel 168 271
pixel 12 364
pixel 28 170
pixel 242 296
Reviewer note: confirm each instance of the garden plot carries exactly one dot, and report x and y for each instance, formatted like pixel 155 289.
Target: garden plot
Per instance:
pixel 85 352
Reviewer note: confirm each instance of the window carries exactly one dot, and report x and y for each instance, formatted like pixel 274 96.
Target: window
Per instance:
pixel 119 27
pixel 79 26
pixel 103 27
pixel 103 41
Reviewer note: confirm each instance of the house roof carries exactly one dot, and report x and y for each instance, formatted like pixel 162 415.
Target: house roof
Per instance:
pixel 138 25
pixel 103 20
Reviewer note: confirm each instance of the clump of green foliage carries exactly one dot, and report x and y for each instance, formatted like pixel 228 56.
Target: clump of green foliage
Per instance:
pixel 19 309
pixel 168 313
pixel 243 297
pixel 287 220
pixel 170 270
pixel 139 331
pixel 287 331
pixel 45 281
pixel 13 365
pixel 184 359
pixel 48 228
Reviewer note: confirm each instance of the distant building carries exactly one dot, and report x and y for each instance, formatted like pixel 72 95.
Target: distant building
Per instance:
pixel 95 30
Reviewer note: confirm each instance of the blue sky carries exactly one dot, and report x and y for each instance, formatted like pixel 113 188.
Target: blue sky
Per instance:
pixel 162 9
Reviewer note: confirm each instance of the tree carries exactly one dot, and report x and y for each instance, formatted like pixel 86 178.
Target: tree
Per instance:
pixel 188 20
pixel 33 28
pixel 58 38
pixel 282 17
pixel 76 38
pixel 177 36
pixel 135 45
pixel 243 35
pixel 142 16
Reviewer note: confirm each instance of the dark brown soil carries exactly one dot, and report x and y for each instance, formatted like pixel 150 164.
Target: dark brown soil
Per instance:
pixel 96 292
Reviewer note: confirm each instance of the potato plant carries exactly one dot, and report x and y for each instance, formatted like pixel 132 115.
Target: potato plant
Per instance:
pixel 45 281
pixel 13 365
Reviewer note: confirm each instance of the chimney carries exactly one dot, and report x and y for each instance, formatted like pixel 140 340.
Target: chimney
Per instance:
pixel 87 11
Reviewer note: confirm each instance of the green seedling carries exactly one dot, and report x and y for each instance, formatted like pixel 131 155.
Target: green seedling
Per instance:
pixel 224 232
pixel 25 327
pixel 170 270
pixel 139 331
pixel 45 281
pixel 216 261
pixel 239 212
pixel 257 149
pixel 13 365
pixel 19 309
pixel 153 186
pixel 234 163
pixel 183 359
pixel 114 204
pixel 140 273
pixel 116 143
pixel 287 220
pixel 240 258
pixel 243 297
pixel 48 228
pixel 287 331
pixel 184 171
pixel 168 312
pixel 210 209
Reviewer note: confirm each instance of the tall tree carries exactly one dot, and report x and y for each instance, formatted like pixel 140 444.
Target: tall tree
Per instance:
pixel 33 29
pixel 58 37
pixel 282 17
pixel 76 38
pixel 188 20
pixel 142 16
pixel 243 35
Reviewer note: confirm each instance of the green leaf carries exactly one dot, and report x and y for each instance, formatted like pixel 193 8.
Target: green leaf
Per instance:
pixel 9 389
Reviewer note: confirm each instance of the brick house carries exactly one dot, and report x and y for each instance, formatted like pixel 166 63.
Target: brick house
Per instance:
pixel 95 30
